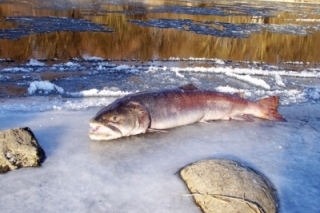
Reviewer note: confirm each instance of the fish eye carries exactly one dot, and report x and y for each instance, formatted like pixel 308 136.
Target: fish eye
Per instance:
pixel 115 118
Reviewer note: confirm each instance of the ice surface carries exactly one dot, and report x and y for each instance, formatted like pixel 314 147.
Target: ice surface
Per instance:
pixel 139 173
pixel 227 29
pixel 106 79
pixel 31 25
pixel 97 93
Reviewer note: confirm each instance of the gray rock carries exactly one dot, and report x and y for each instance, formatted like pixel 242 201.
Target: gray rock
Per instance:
pixel 19 148
pixel 225 186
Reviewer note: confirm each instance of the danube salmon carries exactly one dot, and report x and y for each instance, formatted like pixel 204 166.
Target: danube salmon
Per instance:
pixel 158 110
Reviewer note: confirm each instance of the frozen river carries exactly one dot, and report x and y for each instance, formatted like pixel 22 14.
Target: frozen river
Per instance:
pixel 60 62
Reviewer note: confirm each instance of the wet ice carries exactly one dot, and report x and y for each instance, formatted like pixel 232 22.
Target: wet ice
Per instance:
pixel 33 25
pixel 139 173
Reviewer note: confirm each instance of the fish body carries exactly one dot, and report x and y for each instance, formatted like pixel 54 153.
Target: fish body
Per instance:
pixel 164 109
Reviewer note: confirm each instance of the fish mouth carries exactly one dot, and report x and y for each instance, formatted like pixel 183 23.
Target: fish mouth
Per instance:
pixel 104 132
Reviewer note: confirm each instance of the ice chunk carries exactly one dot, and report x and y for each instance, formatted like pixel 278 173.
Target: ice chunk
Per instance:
pixel 44 86
pixel 34 62
pixel 96 92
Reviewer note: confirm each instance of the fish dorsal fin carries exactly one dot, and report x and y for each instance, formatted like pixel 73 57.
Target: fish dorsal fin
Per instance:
pixel 188 87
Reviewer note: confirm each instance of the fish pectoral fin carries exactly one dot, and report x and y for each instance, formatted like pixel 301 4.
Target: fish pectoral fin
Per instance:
pixel 205 121
pixel 157 130
pixel 242 117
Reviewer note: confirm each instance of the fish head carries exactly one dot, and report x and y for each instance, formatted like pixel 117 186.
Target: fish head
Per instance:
pixel 118 121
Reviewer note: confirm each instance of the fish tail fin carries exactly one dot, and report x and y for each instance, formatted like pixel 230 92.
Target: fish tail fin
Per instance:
pixel 269 108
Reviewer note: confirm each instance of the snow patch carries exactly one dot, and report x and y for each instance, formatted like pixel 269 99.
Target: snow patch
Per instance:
pixel 215 60
pixel 44 87
pixel 287 96
pixel 249 79
pixel 247 71
pixel 122 67
pixel 34 62
pixel 227 89
pixel 92 58
pixel 98 93
pixel 279 80
pixel 71 64
pixel 16 69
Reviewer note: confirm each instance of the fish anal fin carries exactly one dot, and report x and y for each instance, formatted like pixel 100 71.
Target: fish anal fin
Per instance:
pixel 204 121
pixel 242 117
pixel 189 86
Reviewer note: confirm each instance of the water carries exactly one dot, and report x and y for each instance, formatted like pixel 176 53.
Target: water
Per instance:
pixel 210 30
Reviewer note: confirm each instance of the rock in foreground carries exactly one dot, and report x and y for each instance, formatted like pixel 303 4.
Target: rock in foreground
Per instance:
pixel 19 148
pixel 225 186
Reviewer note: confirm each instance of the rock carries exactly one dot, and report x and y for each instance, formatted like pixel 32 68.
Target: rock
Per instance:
pixel 19 148
pixel 225 186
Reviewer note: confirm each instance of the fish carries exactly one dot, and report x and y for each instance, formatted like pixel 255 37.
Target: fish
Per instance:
pixel 159 110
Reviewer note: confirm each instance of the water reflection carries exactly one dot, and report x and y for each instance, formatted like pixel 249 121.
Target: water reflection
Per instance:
pixel 133 41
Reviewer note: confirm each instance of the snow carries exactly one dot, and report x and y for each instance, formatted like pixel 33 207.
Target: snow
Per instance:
pixel 16 69
pixel 43 87
pixel 34 62
pixel 71 64
pixel 97 93
pixel 140 173
pixel 216 60
pixel 92 58
pixel 245 71
pixel 279 80
pixel 122 67
pixel 249 79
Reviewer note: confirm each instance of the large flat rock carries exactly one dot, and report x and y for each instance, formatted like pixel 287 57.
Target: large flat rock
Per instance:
pixel 225 186
pixel 19 148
